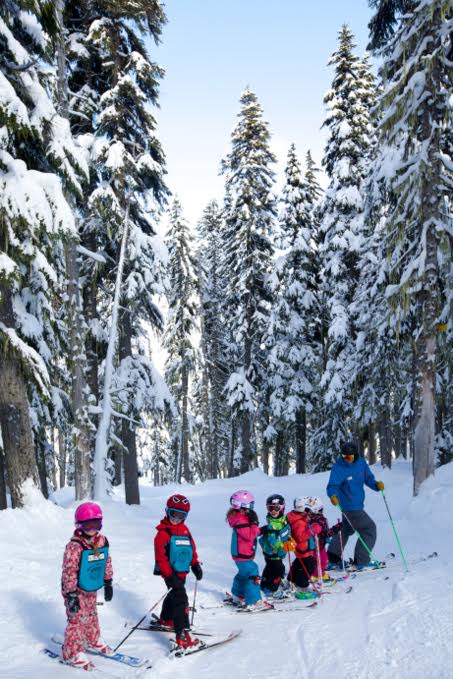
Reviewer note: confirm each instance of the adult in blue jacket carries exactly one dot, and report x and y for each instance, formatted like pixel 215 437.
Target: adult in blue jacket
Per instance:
pixel 348 477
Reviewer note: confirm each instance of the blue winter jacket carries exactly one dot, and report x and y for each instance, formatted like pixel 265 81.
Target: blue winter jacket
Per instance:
pixel 346 482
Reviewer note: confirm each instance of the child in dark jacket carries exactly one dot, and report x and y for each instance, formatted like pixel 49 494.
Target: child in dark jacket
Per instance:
pixel 176 554
pixel 275 536
pixel 87 567
pixel 244 523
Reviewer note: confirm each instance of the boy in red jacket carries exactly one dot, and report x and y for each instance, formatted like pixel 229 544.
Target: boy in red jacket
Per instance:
pixel 176 554
pixel 302 532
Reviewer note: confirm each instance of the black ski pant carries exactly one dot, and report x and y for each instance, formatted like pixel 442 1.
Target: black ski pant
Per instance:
pixel 273 572
pixel 366 528
pixel 176 608
pixel 299 573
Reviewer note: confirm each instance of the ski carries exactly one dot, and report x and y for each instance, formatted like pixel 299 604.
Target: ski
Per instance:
pixel 204 646
pixel 162 628
pixel 130 660
pixel 95 671
pixel 263 609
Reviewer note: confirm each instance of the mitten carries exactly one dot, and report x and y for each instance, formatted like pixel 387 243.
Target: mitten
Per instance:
pixel 289 545
pixel 72 603
pixel 197 571
pixel 173 582
pixel 336 529
pixel 264 530
pixel 108 590
pixel 315 528
pixel 253 517
pixel 379 485
pixel 334 500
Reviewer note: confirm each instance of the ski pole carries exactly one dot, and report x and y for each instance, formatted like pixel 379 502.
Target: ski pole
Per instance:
pixel 345 573
pixel 194 600
pixel 141 619
pixel 359 537
pixel 291 583
pixel 394 530
pixel 318 559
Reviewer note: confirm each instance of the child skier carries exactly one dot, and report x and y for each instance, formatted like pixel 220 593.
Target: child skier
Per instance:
pixel 87 567
pixel 315 509
pixel 244 523
pixel 176 554
pixel 304 565
pixel 274 538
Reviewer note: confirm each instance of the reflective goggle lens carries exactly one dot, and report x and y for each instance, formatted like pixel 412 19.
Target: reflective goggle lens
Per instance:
pixel 275 508
pixel 178 514
pixel 92 524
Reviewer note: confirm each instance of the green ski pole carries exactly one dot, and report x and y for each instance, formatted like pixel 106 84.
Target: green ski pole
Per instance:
pixel 394 531
pixel 359 537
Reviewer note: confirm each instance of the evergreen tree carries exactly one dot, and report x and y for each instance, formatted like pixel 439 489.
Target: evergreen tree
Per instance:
pixel 249 251
pixel 385 20
pixel 345 160
pixel 181 326
pixel 293 356
pixel 34 221
pixel 414 130
pixel 213 337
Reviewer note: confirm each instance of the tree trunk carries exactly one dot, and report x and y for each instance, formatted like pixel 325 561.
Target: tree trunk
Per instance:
pixel 62 457
pixel 301 441
pixel 185 431
pixel 372 458
pixel 15 422
pixel 385 439
pixel 246 425
pixel 76 345
pixel 3 499
pixel 128 433
pixel 432 214
pixel 42 470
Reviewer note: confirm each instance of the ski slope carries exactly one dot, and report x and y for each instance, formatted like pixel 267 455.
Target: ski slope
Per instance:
pixel 398 628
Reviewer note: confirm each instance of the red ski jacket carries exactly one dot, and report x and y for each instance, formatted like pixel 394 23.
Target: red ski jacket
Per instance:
pixel 300 532
pixel 162 544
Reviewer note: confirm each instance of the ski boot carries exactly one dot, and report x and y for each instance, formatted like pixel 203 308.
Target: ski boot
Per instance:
pixel 81 661
pixel 100 647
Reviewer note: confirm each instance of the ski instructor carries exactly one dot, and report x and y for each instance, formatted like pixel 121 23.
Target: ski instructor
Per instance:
pixel 345 490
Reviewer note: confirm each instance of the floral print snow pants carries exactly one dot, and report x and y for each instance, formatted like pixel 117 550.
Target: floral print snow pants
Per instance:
pixel 83 627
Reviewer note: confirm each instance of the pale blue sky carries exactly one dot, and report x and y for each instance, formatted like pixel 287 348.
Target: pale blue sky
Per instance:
pixel 212 49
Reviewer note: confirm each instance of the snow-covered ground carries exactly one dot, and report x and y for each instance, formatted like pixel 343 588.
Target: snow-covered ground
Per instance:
pixel 398 628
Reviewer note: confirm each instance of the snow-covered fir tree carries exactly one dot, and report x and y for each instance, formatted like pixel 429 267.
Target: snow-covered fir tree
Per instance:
pixel 214 338
pixel 35 220
pixel 182 324
pixel 248 263
pixel 416 165
pixel 293 355
pixel 128 171
pixel 346 163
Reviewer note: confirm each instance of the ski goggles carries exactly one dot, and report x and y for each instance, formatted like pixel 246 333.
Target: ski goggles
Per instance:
pixel 275 508
pixel 348 456
pixel 177 514
pixel 91 524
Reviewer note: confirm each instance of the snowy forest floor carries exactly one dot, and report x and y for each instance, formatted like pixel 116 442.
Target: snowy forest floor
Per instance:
pixel 400 627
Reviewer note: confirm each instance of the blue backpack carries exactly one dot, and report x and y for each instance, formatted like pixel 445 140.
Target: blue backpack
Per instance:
pixel 180 554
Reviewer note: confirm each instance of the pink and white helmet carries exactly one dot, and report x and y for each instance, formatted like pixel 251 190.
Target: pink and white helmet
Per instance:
pixel 87 511
pixel 317 505
pixel 242 498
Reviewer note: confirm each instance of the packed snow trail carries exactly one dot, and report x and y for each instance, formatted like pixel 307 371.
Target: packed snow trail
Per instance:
pixel 395 628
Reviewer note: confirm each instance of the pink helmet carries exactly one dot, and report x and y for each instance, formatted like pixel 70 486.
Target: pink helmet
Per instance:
pixel 242 498
pixel 87 511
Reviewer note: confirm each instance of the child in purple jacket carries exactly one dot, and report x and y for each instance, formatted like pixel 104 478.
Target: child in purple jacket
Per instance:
pixel 244 523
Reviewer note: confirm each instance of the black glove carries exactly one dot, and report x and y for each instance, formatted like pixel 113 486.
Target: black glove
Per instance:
pixel 264 530
pixel 72 603
pixel 335 529
pixel 197 571
pixel 253 517
pixel 173 582
pixel 108 590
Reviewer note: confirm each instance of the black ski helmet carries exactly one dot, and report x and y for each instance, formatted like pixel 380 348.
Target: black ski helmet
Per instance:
pixel 277 501
pixel 350 448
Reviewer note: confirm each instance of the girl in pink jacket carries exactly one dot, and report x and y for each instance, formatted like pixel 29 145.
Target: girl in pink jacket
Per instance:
pixel 87 567
pixel 244 523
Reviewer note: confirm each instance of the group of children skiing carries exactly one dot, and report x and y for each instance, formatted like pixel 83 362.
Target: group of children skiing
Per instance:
pixel 87 565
